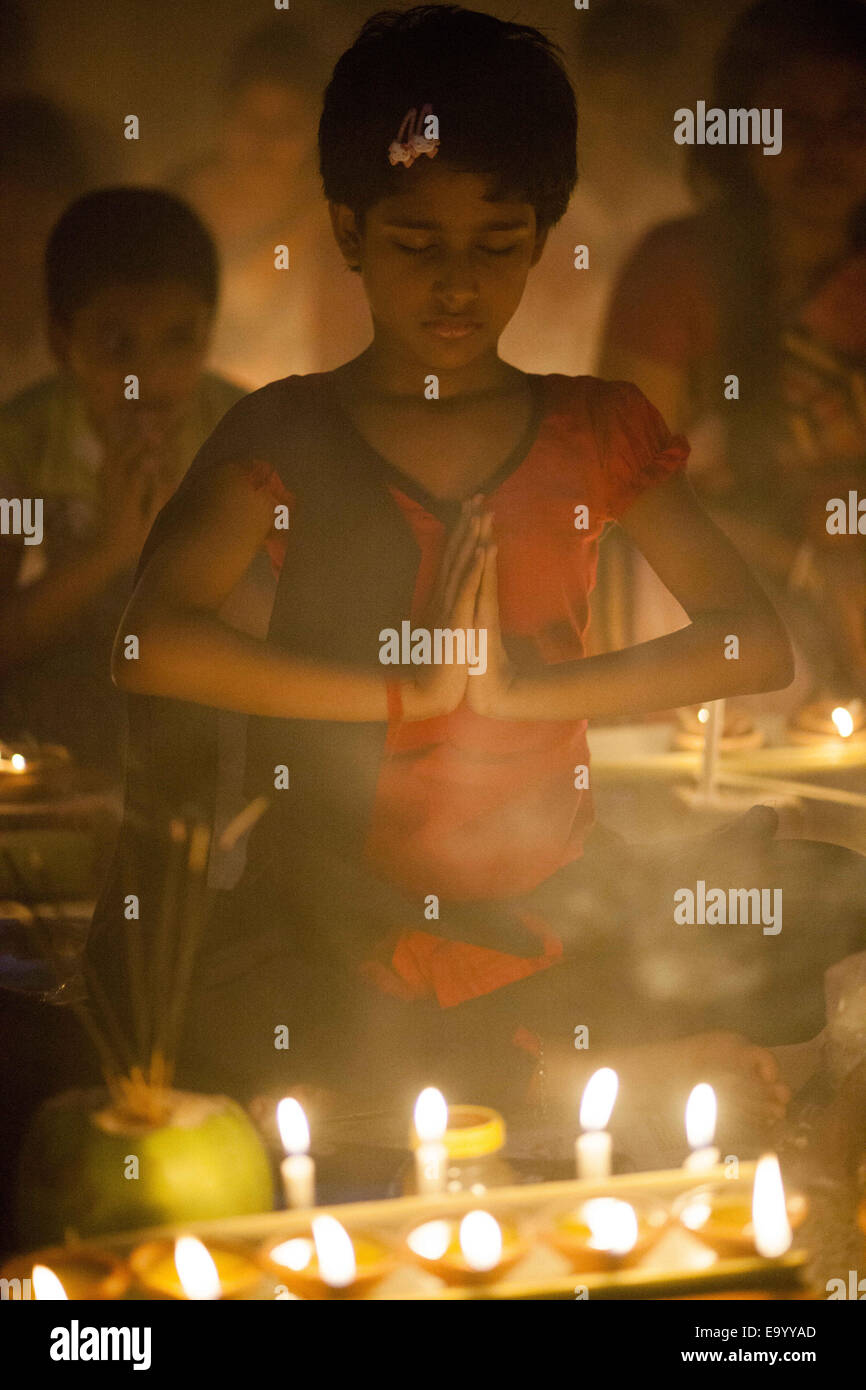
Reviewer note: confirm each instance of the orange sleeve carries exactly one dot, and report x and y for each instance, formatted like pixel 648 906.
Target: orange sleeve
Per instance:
pixel 637 449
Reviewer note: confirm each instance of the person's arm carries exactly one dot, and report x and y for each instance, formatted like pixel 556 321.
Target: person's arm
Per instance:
pixel 36 615
pixel 707 576
pixel 186 652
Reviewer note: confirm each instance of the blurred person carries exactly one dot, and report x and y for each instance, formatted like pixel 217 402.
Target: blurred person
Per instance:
pixel 131 284
pixel 768 282
pixel 258 189
pixel 626 57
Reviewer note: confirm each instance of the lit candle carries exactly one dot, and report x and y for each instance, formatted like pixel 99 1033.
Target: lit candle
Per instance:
pixel 701 1129
pixel 196 1269
pixel 593 1148
pixel 187 1269
pixel 773 1234
pixel 297 1169
pixel 475 1249
pixel 326 1262
pixel 82 1272
pixel 714 724
pixel 844 723
pixel 46 1285
pixel 16 762
pixel 431 1154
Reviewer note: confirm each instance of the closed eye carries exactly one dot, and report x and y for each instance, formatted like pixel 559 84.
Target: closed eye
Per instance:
pixel 488 250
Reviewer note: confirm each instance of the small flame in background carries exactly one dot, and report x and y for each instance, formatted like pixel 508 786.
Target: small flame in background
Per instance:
pixel 431 1115
pixel 596 1106
pixel 293 1126
pixel 844 723
pixel 701 1116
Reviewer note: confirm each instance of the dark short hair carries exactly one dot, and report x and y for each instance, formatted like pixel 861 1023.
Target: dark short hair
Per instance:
pixel 505 105
pixel 127 236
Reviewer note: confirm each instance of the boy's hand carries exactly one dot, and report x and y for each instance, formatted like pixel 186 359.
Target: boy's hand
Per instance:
pixel 487 691
pixel 438 689
pixel 137 481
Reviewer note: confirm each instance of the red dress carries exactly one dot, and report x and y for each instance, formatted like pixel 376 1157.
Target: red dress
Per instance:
pixel 470 808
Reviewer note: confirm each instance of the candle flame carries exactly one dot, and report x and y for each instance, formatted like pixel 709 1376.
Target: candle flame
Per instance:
pixel 431 1240
pixel 431 1115
pixel 46 1285
pixel 701 1116
pixel 703 714
pixel 480 1240
pixel 19 763
pixel 293 1127
pixel 294 1254
pixel 773 1234
pixel 598 1098
pixel 696 1213
pixel 196 1269
pixel 844 723
pixel 613 1224
pixel 335 1252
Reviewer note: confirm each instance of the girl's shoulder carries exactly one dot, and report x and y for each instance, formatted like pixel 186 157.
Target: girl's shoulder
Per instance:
pixel 620 439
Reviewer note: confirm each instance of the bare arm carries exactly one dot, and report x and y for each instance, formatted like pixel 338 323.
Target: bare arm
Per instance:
pixel 709 579
pixel 187 652
pixel 31 618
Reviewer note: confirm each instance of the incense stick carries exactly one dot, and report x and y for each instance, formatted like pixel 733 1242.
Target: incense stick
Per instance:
pixel 165 948
pixel 192 927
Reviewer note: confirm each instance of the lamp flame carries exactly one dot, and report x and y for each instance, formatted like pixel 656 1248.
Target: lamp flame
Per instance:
pixel 293 1127
pixel 431 1240
pixel 613 1224
pixel 46 1285
pixel 701 1116
pixel 335 1251
pixel 773 1234
pixel 431 1115
pixel 294 1254
pixel 598 1099
pixel 844 723
pixel 480 1240
pixel 703 714
pixel 196 1269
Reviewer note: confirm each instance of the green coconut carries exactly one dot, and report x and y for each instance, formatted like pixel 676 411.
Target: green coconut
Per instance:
pixel 84 1168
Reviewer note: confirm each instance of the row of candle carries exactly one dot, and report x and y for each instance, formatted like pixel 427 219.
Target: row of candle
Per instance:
pixel 593 1147
pixel 598 1233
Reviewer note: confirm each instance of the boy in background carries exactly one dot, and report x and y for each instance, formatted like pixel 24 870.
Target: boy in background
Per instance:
pixel 131 291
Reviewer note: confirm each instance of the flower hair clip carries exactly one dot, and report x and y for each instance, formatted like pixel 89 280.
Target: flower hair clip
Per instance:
pixel 410 142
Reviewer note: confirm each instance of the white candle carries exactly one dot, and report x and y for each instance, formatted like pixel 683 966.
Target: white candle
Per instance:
pixel 593 1149
pixel 297 1169
pixel 714 726
pixel 431 1154
pixel 700 1129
